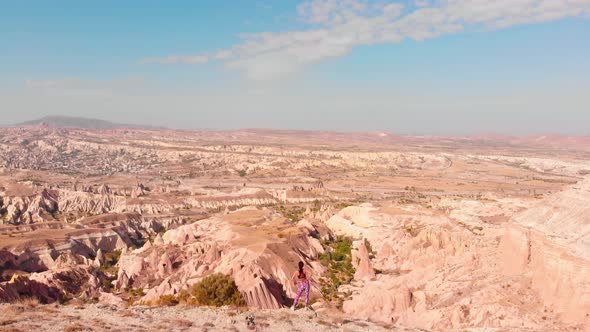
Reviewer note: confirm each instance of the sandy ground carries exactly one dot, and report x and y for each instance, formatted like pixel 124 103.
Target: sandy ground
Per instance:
pixel 97 317
pixel 100 317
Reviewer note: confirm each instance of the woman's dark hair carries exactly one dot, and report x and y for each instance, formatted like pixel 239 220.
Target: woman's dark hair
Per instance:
pixel 301 267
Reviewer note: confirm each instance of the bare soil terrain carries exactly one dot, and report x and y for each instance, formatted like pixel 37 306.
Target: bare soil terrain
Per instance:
pixel 94 317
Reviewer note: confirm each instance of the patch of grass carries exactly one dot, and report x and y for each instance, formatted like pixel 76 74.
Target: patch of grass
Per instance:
pixel 293 213
pixel 338 260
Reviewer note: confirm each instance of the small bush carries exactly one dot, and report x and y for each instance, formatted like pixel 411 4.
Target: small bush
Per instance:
pixel 184 296
pixel 28 302
pixel 217 290
pixel 369 247
pixel 107 285
pixel 168 300
pixel 136 292
pixel 111 259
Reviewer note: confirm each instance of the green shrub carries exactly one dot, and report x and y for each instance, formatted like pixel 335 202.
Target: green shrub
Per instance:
pixel 107 285
pixel 110 260
pixel 136 292
pixel 338 260
pixel 217 290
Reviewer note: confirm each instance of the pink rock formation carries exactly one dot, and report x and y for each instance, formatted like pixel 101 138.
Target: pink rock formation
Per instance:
pixel 52 286
pixel 550 242
pixel 261 266
pixel 138 191
pixel 28 209
pixel 434 273
pixel 361 261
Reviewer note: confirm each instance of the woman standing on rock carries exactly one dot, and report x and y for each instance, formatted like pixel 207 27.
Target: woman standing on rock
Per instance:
pixel 302 275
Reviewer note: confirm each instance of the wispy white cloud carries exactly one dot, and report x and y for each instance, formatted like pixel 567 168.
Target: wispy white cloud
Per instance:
pixel 222 55
pixel 178 59
pixel 337 26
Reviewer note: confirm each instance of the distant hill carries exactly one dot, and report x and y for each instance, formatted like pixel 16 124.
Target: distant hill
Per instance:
pixel 77 122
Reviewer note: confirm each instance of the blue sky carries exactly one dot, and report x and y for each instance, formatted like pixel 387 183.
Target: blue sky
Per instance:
pixel 416 67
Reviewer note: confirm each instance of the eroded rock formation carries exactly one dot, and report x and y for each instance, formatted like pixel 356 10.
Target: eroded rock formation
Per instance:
pixel 550 242
pixel 261 266
pixel 431 272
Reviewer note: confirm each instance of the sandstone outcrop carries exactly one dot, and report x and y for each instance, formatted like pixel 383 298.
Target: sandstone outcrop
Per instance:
pixel 28 208
pixel 431 272
pixel 261 266
pixel 361 261
pixel 54 245
pixel 550 242
pixel 52 286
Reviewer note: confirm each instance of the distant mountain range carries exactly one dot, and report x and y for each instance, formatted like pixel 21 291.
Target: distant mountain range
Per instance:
pixel 78 122
pixel 60 121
